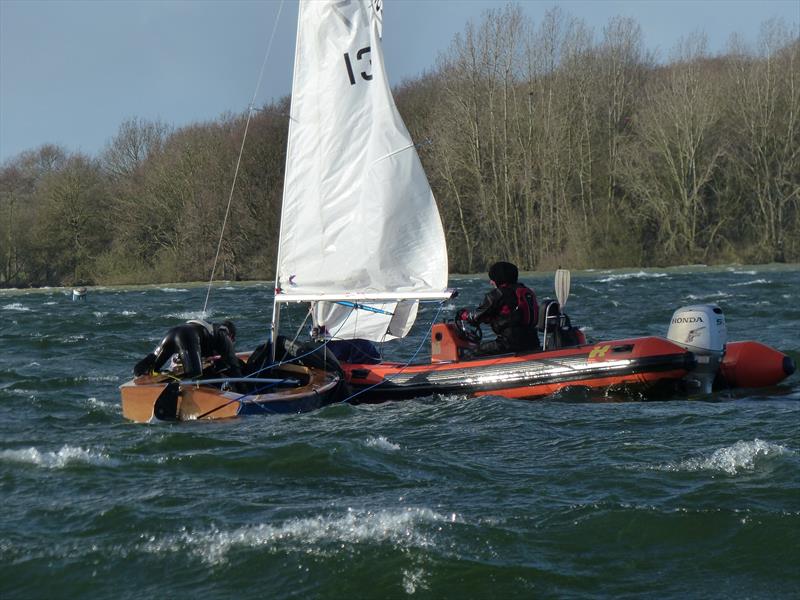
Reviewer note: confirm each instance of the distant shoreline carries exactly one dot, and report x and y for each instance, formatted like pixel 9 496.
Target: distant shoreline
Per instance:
pixel 576 273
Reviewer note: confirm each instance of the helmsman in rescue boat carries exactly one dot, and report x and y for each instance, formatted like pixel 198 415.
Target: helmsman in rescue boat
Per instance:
pixel 511 310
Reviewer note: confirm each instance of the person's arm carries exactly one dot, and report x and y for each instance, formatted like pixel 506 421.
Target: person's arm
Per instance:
pixel 488 308
pixel 227 353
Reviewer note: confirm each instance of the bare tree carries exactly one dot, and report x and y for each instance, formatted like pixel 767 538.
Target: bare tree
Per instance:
pixel 73 228
pixel 670 172
pixel 766 107
pixel 135 141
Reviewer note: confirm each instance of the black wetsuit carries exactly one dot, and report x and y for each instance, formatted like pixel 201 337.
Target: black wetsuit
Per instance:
pixel 193 341
pixel 512 312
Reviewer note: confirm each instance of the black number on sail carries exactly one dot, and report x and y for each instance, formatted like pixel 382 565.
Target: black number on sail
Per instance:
pixel 359 56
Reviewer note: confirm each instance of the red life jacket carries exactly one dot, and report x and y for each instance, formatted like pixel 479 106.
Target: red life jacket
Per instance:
pixel 527 307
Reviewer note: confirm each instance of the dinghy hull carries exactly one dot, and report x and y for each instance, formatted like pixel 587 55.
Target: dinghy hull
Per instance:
pixel 161 398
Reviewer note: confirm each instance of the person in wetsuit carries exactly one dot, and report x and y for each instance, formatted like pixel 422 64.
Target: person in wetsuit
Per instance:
pixel 511 310
pixel 193 341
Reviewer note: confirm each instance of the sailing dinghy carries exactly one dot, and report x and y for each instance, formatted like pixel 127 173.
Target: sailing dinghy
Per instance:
pixel 361 240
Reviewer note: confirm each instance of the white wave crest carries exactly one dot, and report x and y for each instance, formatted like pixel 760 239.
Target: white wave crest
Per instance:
pixel 128 313
pixel 735 272
pixel 58 459
pixel 754 282
pixel 94 403
pixel 171 290
pixel 16 306
pixel 624 276
pixel 191 314
pixel 74 339
pixel 382 443
pixel 111 378
pixel 401 528
pixel 413 580
pixel 742 456
pixel 708 296
pixel 99 314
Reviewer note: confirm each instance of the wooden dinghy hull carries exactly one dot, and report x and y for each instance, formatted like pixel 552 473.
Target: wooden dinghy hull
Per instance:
pixel 637 364
pixel 161 398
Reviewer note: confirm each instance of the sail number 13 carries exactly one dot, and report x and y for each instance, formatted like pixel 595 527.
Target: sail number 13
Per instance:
pixel 360 55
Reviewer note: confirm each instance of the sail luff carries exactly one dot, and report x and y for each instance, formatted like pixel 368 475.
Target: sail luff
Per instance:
pixel 289 141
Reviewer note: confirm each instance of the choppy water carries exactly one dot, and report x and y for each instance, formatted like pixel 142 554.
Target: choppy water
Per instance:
pixel 438 497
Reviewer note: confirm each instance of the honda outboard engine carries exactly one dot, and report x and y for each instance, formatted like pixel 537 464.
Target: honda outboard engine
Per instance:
pixel 701 330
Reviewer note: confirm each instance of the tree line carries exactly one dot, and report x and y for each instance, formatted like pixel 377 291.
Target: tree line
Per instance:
pixel 545 144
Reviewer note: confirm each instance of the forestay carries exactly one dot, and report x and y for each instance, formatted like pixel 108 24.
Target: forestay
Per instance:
pixel 359 221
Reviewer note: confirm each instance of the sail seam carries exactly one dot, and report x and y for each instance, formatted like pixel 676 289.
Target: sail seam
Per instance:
pixel 384 157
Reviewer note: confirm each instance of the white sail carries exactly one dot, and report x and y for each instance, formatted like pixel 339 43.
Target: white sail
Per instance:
pixel 359 218
pixel 370 321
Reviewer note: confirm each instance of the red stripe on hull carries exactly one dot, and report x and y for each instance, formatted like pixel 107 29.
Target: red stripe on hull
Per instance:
pixel 539 391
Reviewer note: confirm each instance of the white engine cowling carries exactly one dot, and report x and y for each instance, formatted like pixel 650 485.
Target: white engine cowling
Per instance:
pixel 700 329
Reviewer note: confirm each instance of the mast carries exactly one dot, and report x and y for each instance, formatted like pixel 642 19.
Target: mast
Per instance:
pixel 275 308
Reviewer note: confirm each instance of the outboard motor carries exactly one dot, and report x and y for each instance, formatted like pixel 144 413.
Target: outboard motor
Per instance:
pixel 701 330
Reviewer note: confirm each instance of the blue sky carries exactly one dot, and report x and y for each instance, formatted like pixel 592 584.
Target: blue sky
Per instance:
pixel 72 71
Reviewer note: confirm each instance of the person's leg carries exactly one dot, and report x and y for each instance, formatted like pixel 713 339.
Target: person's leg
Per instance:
pixel 188 342
pixel 491 347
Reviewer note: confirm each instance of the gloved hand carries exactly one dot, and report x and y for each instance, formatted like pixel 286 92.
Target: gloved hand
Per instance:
pixel 145 365
pixel 463 315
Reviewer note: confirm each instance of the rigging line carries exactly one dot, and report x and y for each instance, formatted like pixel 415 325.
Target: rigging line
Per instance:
pixel 241 152
pixel 312 351
pixel 405 366
pixel 358 306
pixel 279 363
pixel 299 330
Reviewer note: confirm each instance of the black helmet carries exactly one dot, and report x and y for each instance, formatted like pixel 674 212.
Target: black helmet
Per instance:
pixel 503 273
pixel 228 324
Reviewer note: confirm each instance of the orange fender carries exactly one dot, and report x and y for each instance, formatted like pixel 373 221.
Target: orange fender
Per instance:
pixel 752 364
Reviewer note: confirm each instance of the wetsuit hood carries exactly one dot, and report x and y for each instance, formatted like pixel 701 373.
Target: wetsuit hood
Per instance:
pixel 228 324
pixel 503 273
